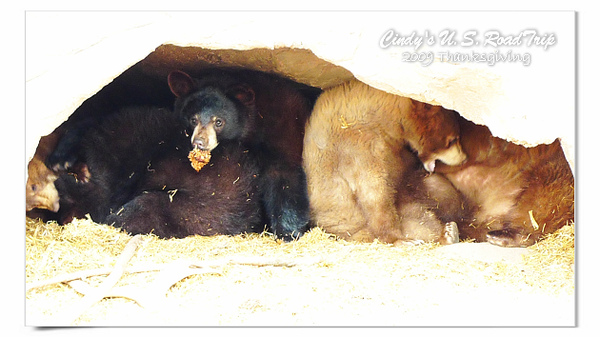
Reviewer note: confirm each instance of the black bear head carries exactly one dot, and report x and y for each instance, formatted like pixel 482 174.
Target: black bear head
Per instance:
pixel 215 111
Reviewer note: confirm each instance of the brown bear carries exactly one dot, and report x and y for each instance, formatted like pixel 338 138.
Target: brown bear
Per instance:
pixel 360 150
pixel 40 192
pixel 515 195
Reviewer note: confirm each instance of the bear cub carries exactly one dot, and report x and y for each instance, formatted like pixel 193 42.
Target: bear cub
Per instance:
pixel 365 152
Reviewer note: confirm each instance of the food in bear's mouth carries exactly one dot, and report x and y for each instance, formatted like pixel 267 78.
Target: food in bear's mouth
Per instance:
pixel 199 158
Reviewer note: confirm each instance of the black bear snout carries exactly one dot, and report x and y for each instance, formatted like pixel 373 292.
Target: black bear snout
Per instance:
pixel 199 143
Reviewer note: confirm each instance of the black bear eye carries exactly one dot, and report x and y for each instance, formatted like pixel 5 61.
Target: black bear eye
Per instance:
pixel 219 123
pixel 193 120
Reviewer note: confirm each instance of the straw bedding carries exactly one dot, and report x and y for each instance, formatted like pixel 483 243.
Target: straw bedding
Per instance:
pixel 256 280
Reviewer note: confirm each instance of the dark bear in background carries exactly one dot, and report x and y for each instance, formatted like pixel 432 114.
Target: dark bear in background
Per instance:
pixel 112 159
pixel 59 152
pixel 139 178
pixel 132 88
pixel 268 114
pixel 515 195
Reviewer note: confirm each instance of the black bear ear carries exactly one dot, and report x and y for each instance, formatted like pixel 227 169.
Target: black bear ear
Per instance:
pixel 243 93
pixel 181 84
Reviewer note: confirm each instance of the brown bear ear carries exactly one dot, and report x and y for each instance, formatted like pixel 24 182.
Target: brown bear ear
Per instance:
pixel 420 107
pixel 242 93
pixel 181 84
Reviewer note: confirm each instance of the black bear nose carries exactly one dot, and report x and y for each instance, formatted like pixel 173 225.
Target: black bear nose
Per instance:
pixel 199 143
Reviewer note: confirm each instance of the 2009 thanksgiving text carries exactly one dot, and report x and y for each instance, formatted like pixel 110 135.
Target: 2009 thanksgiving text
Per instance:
pixel 528 38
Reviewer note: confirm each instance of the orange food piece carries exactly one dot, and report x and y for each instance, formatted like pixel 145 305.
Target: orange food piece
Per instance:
pixel 199 158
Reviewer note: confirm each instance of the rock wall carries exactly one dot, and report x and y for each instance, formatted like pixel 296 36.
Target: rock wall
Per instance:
pixel 519 82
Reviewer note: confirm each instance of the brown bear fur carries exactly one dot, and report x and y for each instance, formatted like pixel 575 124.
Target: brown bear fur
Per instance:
pixel 358 149
pixel 428 205
pixel 40 192
pixel 504 182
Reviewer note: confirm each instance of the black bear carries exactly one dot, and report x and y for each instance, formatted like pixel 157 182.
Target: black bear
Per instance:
pixel 132 88
pixel 138 176
pixel 112 159
pixel 266 113
pixel 174 200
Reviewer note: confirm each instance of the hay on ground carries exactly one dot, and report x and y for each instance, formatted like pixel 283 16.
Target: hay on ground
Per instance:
pixel 253 279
